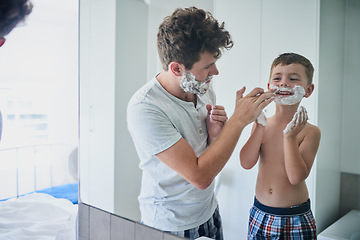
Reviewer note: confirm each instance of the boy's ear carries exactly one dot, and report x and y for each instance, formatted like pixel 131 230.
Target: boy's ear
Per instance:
pixel 176 68
pixel 309 90
pixel 268 86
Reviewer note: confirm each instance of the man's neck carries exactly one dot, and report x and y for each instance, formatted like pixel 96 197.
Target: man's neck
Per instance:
pixel 171 84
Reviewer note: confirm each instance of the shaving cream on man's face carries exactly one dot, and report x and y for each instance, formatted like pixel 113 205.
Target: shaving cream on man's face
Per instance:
pixel 288 96
pixel 189 84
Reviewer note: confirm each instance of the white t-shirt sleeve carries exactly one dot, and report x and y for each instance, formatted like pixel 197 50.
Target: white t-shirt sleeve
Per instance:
pixel 151 129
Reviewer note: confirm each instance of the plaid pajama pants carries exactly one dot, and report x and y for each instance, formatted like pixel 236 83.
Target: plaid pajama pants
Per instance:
pixel 281 223
pixel 211 229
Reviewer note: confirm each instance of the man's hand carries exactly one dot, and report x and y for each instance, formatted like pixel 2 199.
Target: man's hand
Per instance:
pixel 248 108
pixel 215 120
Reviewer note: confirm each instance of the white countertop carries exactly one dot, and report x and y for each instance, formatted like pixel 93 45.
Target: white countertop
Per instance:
pixel 347 227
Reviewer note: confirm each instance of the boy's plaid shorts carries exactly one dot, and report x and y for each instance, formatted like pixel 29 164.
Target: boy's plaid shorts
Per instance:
pixel 281 223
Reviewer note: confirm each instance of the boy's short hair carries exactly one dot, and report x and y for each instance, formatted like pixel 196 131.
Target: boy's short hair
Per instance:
pixel 294 58
pixel 188 32
pixel 11 13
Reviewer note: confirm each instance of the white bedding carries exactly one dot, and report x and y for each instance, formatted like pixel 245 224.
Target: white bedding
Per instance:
pixel 37 216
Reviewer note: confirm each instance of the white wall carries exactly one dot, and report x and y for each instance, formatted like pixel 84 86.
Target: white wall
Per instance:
pixel 238 67
pixel 97 102
pixel 131 69
pixel 330 102
pixel 351 132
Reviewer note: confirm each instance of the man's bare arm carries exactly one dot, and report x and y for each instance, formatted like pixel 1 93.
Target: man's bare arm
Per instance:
pixel 202 171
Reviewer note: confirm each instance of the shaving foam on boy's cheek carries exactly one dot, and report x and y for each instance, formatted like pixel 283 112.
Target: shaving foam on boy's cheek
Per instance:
pixel 298 91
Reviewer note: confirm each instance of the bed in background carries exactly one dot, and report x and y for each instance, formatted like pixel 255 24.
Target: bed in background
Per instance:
pixel 42 215
pixel 38 192
pixel 67 191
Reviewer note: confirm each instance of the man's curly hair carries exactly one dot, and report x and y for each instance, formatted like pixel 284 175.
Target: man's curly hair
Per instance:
pixel 11 13
pixel 187 33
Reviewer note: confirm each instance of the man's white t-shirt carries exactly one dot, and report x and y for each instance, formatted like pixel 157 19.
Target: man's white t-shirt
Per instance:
pixel 156 121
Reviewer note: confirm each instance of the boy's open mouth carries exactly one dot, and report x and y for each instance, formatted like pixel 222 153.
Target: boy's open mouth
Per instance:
pixel 284 93
pixel 288 96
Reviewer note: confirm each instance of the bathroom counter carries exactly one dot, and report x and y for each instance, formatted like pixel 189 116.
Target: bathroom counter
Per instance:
pixel 347 227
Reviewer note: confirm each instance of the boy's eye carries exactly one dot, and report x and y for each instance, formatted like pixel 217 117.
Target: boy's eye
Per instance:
pixel 294 79
pixel 276 79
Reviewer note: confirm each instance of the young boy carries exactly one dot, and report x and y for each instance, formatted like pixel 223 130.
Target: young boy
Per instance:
pixel 286 145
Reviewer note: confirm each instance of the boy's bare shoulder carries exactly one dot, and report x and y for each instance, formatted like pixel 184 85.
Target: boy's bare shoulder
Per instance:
pixel 312 129
pixel 312 126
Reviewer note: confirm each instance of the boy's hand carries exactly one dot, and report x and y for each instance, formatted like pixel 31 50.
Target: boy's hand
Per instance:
pixel 261 119
pixel 215 120
pixel 297 123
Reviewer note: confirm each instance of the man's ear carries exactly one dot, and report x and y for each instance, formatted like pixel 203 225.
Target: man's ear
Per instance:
pixel 2 41
pixel 309 90
pixel 176 68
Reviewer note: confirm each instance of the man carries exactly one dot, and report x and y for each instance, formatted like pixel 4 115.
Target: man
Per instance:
pixel 11 13
pixel 182 138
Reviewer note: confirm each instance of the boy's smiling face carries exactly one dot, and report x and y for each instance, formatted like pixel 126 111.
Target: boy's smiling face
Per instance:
pixel 291 83
pixel 288 75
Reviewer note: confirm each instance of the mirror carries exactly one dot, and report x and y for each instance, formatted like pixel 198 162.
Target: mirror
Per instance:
pixel 118 55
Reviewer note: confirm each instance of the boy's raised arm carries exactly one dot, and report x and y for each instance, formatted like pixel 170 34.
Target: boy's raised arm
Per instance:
pixel 300 158
pixel 249 153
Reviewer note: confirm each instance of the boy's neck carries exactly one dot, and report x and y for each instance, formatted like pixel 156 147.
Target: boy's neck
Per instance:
pixel 285 113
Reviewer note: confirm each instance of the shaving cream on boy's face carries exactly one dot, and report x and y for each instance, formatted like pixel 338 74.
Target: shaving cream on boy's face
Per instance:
pixel 189 84
pixel 288 96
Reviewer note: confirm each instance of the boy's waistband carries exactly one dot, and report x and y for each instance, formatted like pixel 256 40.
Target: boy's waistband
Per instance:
pixel 298 209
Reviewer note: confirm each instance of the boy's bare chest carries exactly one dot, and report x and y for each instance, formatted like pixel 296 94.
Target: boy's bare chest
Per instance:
pixel 272 147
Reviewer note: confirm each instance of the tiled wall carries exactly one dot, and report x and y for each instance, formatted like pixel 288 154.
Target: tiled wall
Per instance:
pixel 96 224
pixel 350 193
